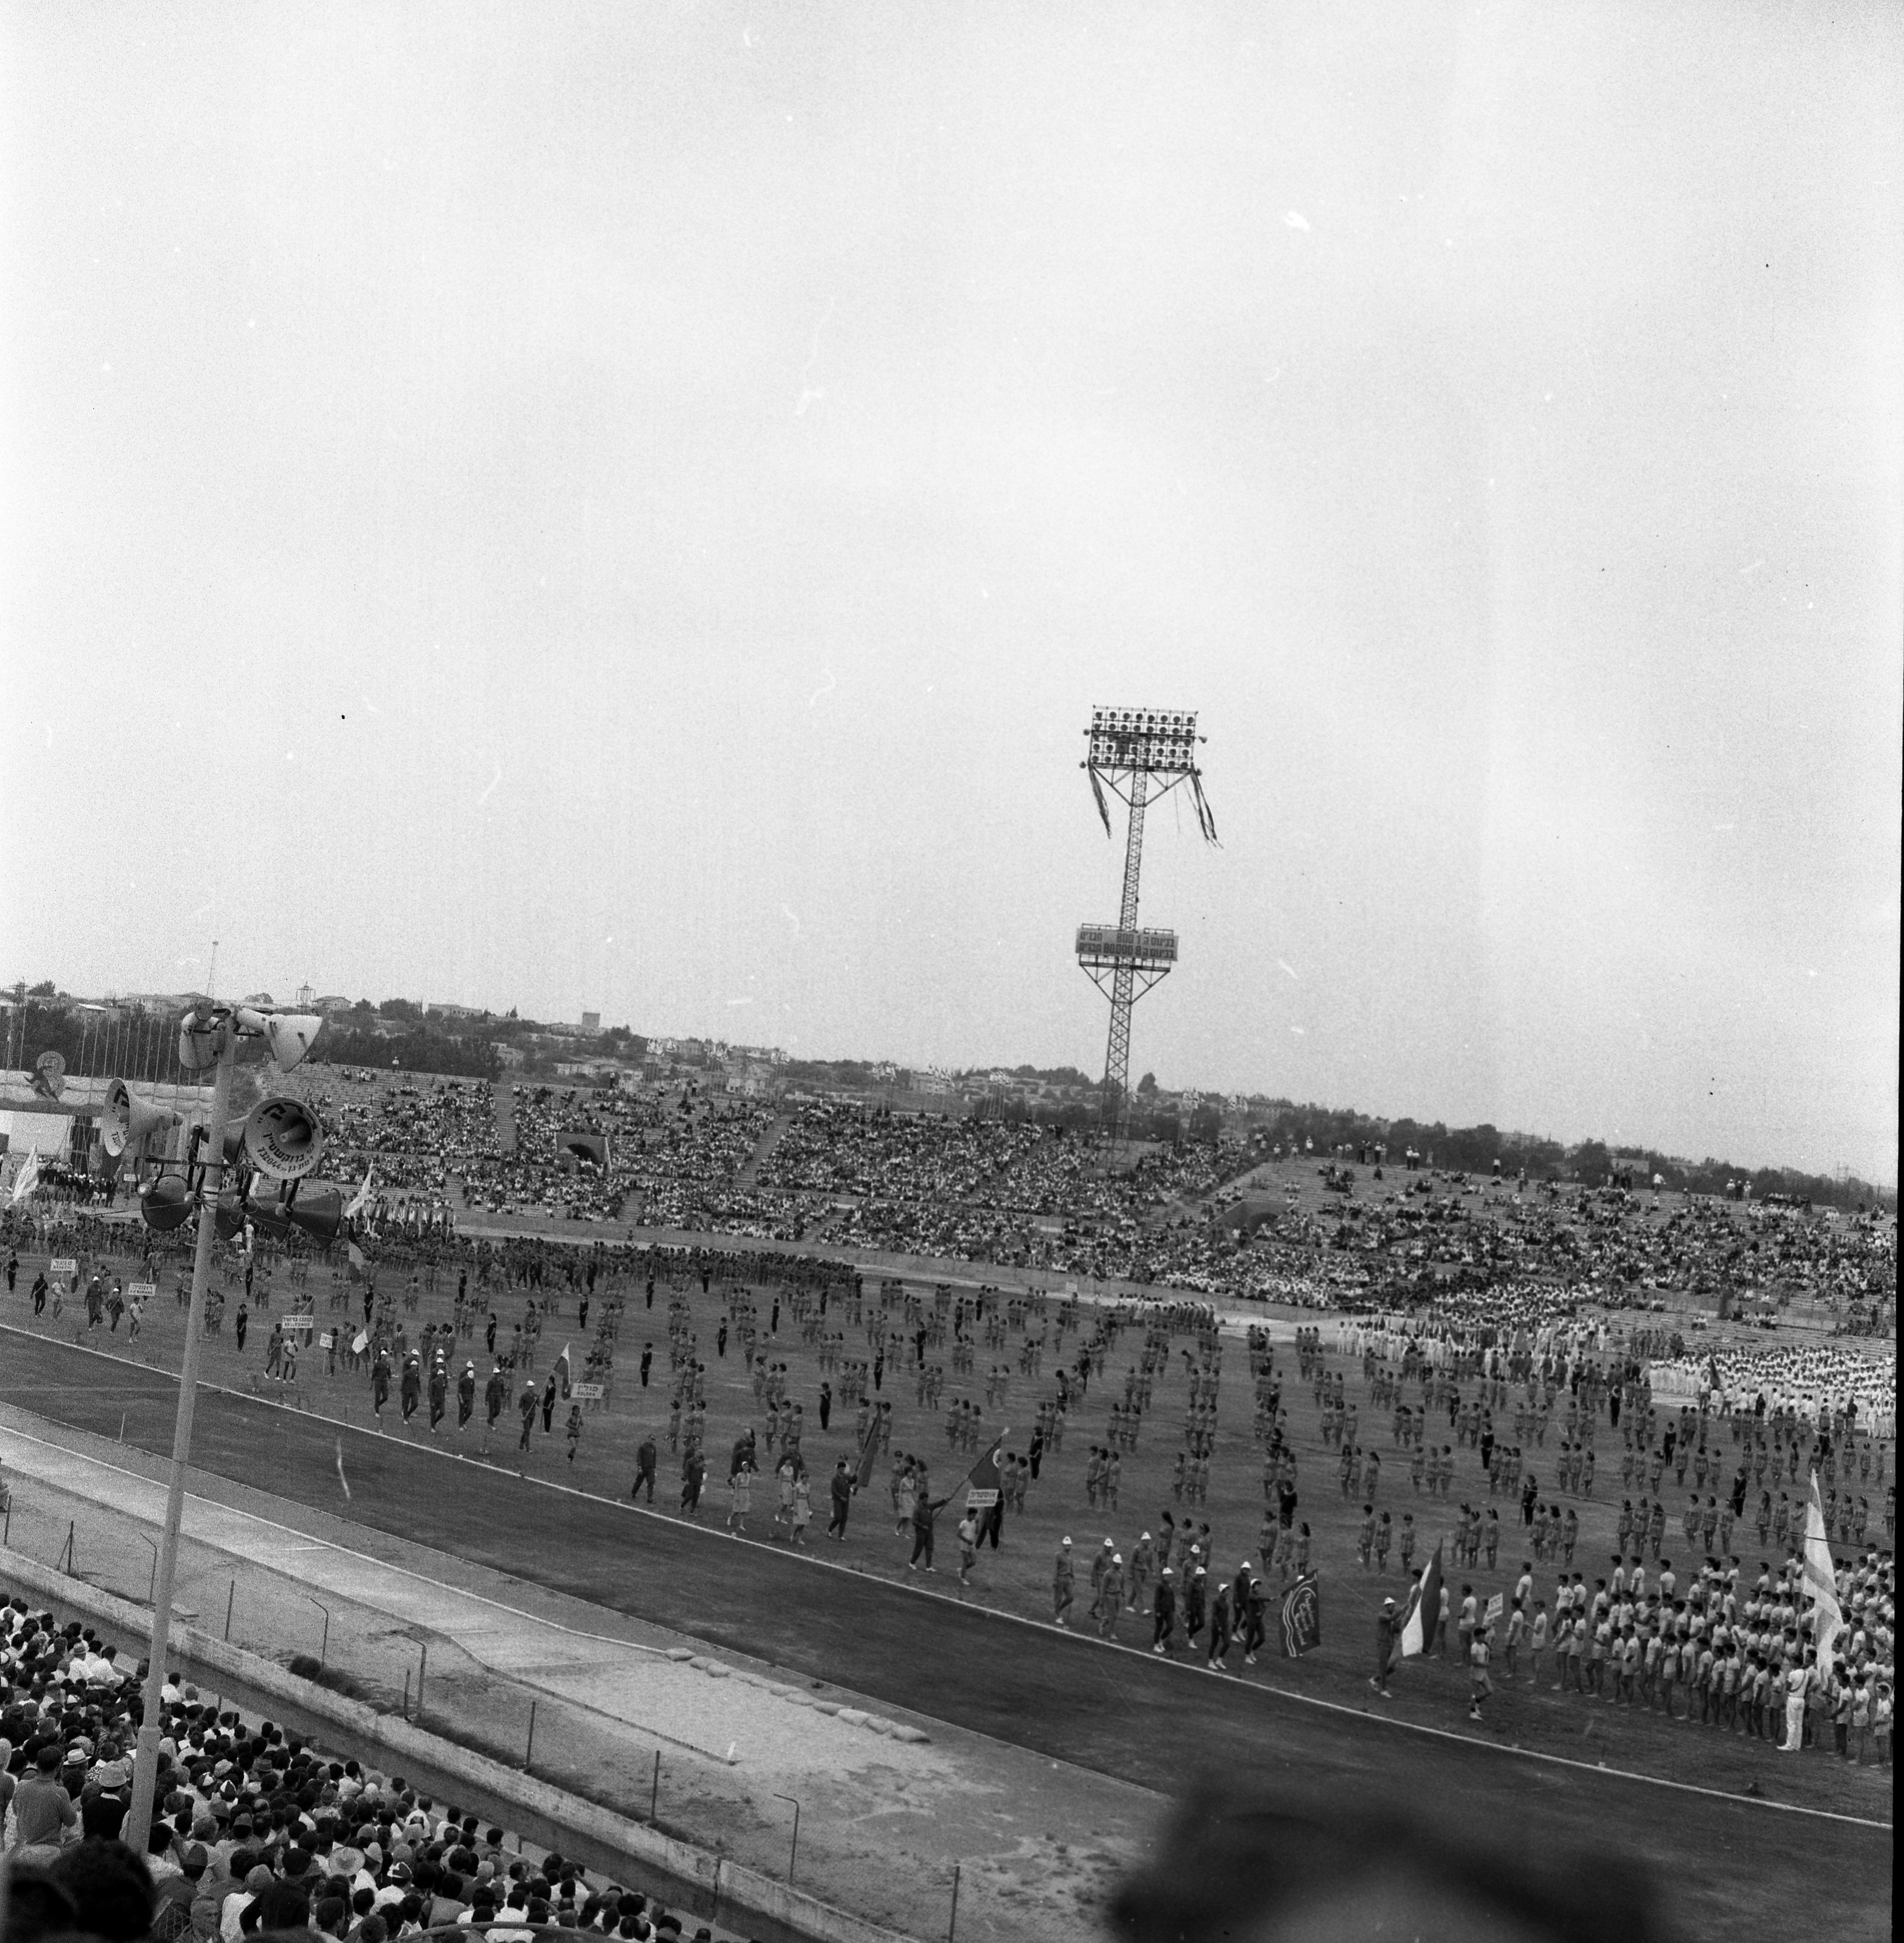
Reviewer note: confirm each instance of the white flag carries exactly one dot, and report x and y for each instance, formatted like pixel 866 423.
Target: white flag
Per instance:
pixel 1821 1581
pixel 28 1178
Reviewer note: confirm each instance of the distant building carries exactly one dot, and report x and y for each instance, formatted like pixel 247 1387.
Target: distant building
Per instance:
pixel 591 1022
pixel 448 1011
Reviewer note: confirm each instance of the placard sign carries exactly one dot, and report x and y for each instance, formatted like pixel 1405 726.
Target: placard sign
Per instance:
pixel 327 1339
pixel 587 1392
pixel 62 1265
pixel 141 1291
pixel 299 1325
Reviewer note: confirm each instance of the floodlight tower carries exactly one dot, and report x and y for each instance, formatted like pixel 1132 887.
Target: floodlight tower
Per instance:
pixel 1141 755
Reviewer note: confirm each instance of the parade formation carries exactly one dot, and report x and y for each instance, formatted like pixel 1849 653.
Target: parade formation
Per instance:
pixel 1572 1493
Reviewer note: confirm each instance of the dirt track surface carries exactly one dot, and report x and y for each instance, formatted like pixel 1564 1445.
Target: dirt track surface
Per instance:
pixel 1720 1862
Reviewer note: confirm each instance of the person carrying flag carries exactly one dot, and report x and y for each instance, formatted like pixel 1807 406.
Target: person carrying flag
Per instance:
pixel 1422 1620
pixel 840 1493
pixel 925 1517
pixel 1385 1625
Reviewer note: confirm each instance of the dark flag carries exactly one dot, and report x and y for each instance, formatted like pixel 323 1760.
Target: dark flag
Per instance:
pixel 868 1451
pixel 1097 790
pixel 983 1486
pixel 1302 1617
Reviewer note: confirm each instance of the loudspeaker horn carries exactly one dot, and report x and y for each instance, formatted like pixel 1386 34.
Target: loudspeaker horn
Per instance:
pixel 283 1138
pixel 165 1204
pixel 318 1211
pixel 288 1035
pixel 200 1037
pixel 129 1121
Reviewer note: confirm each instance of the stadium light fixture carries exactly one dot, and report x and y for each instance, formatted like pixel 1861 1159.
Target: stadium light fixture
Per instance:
pixel 1138 755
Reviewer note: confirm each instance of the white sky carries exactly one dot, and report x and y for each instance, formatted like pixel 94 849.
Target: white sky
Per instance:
pixel 630 507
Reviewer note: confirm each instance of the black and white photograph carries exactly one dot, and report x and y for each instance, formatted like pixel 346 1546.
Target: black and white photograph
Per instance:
pixel 949 970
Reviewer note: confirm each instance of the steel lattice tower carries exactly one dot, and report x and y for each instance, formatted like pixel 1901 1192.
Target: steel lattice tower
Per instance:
pixel 1140 755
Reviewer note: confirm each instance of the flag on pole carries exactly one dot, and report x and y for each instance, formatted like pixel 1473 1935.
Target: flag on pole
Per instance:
pixel 563 1363
pixel 28 1178
pixel 1097 790
pixel 1821 1581
pixel 983 1485
pixel 1423 1609
pixel 1302 1617
pixel 868 1451
pixel 360 1199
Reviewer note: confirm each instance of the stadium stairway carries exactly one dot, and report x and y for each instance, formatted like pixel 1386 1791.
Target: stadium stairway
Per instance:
pixel 776 1131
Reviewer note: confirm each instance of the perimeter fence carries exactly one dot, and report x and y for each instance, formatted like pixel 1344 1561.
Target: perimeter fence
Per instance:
pixel 875 1868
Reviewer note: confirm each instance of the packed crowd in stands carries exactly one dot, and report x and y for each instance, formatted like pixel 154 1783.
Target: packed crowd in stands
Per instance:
pixel 1038 1198
pixel 412 1137
pixel 256 1832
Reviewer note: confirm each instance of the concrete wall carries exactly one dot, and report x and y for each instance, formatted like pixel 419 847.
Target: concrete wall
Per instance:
pixel 684 1875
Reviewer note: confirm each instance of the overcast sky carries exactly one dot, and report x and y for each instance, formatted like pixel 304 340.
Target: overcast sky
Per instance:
pixel 630 506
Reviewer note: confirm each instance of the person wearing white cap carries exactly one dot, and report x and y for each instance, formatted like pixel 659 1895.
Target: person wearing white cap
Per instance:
pixel 1110 1601
pixel 1100 1565
pixel 1165 1608
pixel 1144 1560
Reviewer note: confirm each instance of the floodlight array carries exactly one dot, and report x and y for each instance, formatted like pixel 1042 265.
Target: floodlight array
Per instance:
pixel 1156 739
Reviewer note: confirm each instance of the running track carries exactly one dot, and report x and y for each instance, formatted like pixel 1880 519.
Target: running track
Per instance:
pixel 1722 1863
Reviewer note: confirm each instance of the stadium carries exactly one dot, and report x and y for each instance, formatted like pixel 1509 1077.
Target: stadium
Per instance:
pixel 1139 779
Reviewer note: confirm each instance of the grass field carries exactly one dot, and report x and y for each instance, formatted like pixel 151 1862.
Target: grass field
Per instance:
pixel 1721 1862
pixel 1016 1577
pixel 1101 1706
